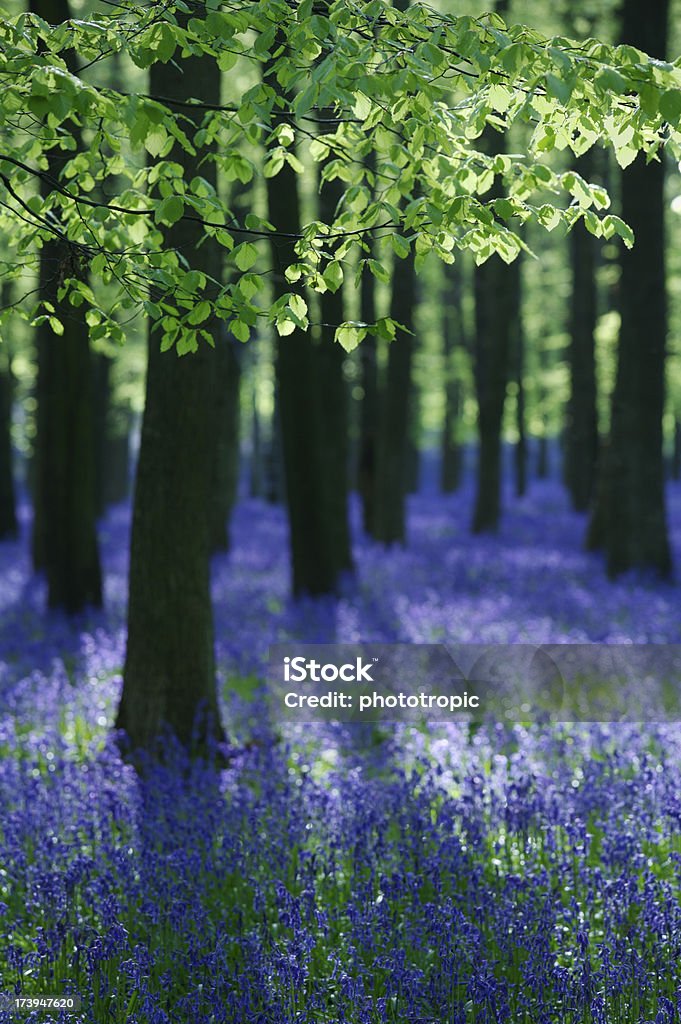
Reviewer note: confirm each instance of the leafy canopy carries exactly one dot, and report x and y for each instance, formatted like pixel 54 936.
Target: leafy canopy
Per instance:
pixel 331 82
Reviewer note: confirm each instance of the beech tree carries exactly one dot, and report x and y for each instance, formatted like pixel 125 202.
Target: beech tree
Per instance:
pixel 630 521
pixel 137 203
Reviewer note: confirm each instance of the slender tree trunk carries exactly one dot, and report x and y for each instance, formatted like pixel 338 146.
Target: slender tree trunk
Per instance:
pixel 8 514
pixel 369 415
pixel 453 339
pixel 335 403
pixel 274 471
pixel 169 676
pixel 493 286
pixel 255 485
pixel 414 440
pixel 393 436
pixel 64 540
pixel 314 567
pixel 518 355
pixel 581 448
pixel 676 452
pixel 117 458
pixel 226 446
pixel 492 296
pixel 634 518
pixel 101 399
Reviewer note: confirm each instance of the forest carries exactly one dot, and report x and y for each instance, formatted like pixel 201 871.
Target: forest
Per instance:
pixel 343 330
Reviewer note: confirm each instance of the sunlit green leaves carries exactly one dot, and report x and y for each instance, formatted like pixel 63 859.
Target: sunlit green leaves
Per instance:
pixel 414 89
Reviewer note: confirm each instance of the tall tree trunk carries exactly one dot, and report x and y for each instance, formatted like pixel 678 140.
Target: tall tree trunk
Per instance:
pixel 8 514
pixel 314 568
pixel 453 338
pixel 335 405
pixel 414 439
pixel 169 677
pixel 101 398
pixel 493 287
pixel 274 472
pixel 518 356
pixel 64 540
pixel 393 434
pixel 369 416
pixel 226 446
pixel 676 452
pixel 581 440
pixel 255 476
pixel 634 517
pixel 117 457
pixel 493 284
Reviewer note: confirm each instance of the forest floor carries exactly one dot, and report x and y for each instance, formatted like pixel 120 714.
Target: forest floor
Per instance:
pixel 453 874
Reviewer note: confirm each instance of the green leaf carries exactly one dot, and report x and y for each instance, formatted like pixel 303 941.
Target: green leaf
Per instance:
pixel 169 211
pixel 56 325
pixel 333 276
pixel 200 312
pixel 670 105
pixel 349 336
pixel 298 306
pixel 240 330
pixel 362 106
pixel 612 81
pixel 166 44
pixel 378 270
pixel 227 59
pixel 400 246
pixel 285 325
pixel 245 255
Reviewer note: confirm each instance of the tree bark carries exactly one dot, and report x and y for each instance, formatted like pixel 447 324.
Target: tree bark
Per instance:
pixel 226 447
pixel 335 404
pixel 518 356
pixel 494 285
pixel 313 561
pixel 64 540
pixel 676 452
pixel 393 432
pixel 8 514
pixel 581 439
pixel 169 677
pixel 369 415
pixel 452 338
pixel 634 517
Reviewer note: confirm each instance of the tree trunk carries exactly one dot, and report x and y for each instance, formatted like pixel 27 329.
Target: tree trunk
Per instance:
pixel 414 439
pixel 314 567
pixel 274 473
pixel 169 676
pixel 255 476
pixel 676 452
pixel 335 403
pixel 64 540
pixel 8 514
pixel 452 338
pixel 101 399
pixel 634 517
pixel 518 355
pixel 117 461
pixel 494 285
pixel 226 447
pixel 369 416
pixel 581 440
pixel 393 434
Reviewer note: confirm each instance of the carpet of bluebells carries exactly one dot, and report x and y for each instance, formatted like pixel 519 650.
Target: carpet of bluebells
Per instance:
pixel 455 874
